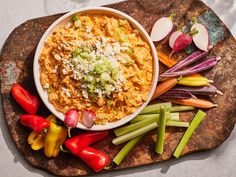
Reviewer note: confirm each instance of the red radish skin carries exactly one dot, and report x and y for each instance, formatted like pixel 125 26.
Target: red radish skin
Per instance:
pixel 71 118
pixel 161 28
pixel 181 43
pixel 173 37
pixel 201 39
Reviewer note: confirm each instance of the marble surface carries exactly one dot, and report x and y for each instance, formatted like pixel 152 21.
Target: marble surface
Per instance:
pixel 220 162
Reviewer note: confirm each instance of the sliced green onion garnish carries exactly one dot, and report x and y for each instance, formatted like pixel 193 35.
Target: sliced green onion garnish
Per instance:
pixel 161 131
pixel 74 18
pixel 155 108
pixel 126 149
pixel 193 125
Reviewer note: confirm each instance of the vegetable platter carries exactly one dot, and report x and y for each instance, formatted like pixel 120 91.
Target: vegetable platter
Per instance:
pixel 197 130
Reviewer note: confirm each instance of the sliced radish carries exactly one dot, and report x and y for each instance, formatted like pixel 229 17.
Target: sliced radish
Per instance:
pixel 201 39
pixel 173 38
pixel 161 28
pixel 71 118
pixel 88 117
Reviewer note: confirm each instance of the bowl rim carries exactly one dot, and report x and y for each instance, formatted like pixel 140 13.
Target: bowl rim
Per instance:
pixel 43 94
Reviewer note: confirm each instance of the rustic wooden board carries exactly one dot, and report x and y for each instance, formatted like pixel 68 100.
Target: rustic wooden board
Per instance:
pixel 17 63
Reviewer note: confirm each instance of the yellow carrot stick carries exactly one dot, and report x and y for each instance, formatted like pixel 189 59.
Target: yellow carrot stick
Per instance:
pixel 169 62
pixel 164 87
pixel 193 81
pixel 196 102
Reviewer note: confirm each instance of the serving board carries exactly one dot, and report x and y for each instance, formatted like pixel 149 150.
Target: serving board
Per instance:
pixel 17 63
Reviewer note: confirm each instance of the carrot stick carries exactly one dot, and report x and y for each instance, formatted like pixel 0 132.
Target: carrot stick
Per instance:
pixel 200 103
pixel 169 62
pixel 164 87
pixel 195 75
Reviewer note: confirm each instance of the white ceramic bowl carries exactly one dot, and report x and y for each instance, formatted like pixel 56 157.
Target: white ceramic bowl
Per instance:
pixel 94 10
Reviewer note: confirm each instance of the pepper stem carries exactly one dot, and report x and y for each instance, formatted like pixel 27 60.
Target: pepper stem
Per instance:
pixel 44 131
pixel 110 166
pixel 194 31
pixel 64 150
pixel 69 134
pixel 172 15
pixel 194 20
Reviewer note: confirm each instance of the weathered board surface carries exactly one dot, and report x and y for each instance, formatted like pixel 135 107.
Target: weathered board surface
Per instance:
pixel 17 63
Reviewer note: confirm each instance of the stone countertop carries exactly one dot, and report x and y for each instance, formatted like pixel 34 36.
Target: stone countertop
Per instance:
pixel 220 162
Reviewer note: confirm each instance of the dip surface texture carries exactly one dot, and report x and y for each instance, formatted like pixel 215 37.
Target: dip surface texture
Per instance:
pixel 96 62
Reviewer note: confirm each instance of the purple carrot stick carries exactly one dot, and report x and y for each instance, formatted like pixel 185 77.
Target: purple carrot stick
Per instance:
pixel 205 90
pixel 187 61
pixel 195 69
pixel 176 94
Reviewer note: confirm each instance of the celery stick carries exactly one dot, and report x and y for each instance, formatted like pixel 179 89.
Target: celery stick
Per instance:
pixel 155 108
pixel 129 128
pixel 181 108
pixel 193 125
pixel 173 123
pixel 144 117
pixel 134 134
pixel 126 149
pixel 161 131
pixel 172 116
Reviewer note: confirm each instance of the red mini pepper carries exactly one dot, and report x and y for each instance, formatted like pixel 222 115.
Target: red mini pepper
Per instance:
pixel 28 102
pixel 79 142
pixel 96 159
pixel 36 123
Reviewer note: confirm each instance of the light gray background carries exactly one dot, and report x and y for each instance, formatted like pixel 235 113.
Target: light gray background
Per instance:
pixel 220 162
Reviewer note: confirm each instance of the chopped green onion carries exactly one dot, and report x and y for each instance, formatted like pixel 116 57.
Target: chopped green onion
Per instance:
pixel 74 18
pixel 126 149
pixel 193 125
pixel 76 52
pixel 181 108
pixel 134 134
pixel 155 108
pixel 161 131
pixel 130 51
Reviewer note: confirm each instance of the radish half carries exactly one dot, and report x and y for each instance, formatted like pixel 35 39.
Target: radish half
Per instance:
pixel 201 39
pixel 173 38
pixel 161 29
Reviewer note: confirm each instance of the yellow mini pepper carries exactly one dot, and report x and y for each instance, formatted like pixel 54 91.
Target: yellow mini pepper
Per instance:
pixel 51 141
pixel 54 138
pixel 36 140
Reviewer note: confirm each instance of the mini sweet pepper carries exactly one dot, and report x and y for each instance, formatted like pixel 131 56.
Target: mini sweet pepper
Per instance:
pixel 54 138
pixel 30 103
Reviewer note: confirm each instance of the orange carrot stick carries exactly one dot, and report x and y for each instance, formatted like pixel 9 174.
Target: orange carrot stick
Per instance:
pixel 169 62
pixel 164 87
pixel 196 102
pixel 195 75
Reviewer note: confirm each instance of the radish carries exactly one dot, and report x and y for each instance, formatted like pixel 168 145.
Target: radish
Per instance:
pixel 201 39
pixel 88 117
pixel 183 41
pixel 162 28
pixel 173 37
pixel 71 118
